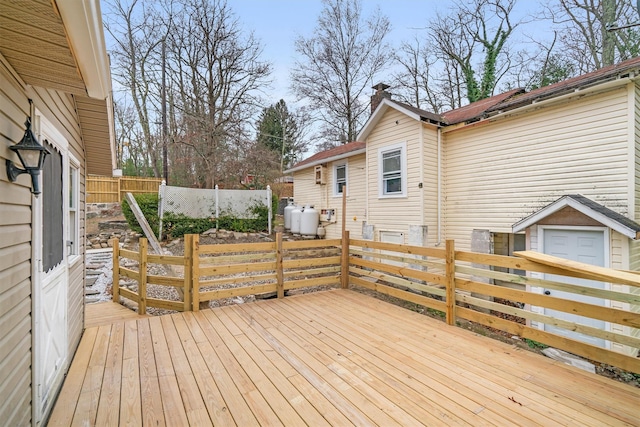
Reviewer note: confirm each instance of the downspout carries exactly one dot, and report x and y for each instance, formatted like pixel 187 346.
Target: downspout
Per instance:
pixel 439 216
pixel 421 186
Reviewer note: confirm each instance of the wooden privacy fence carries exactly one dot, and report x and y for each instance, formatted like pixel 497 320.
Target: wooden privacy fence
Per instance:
pixel 511 294
pixel 106 189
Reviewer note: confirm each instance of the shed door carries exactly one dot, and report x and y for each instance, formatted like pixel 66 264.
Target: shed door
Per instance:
pixel 587 246
pixel 50 285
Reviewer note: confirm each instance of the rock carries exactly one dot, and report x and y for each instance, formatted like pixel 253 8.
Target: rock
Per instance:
pixel 90 280
pixel 238 300
pixel 104 245
pixel 91 292
pixel 210 232
pixel 569 359
pixel 237 235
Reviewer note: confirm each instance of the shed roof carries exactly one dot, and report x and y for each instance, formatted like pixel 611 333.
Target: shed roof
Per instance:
pixel 588 207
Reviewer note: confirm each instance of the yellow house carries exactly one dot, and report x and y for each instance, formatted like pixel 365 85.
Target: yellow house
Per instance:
pixel 54 70
pixel 556 170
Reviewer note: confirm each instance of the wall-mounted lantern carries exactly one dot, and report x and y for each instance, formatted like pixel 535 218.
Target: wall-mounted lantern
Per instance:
pixel 31 155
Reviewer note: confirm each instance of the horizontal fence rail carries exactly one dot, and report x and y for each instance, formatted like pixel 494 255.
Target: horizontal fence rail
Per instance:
pixel 107 189
pixel 500 292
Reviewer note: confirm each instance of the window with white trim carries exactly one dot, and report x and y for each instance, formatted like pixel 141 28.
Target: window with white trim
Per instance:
pixel 339 179
pixel 73 238
pixel 392 165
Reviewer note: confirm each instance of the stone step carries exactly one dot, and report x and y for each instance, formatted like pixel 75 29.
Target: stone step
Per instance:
pixel 89 292
pixel 90 280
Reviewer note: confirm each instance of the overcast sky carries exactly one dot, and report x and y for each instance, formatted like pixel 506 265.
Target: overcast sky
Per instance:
pixel 277 23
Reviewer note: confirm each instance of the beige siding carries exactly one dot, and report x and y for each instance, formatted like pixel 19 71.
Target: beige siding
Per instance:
pixel 430 183
pixel 395 214
pixel 15 263
pixel 306 191
pixel 501 171
pixel 15 245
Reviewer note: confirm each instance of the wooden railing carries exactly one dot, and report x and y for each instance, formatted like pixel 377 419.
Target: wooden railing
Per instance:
pixel 106 189
pixel 491 290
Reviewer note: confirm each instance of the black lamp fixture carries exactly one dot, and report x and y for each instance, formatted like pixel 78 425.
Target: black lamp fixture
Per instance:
pixel 31 155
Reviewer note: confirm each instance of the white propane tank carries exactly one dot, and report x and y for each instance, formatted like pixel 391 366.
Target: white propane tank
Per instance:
pixel 296 218
pixel 310 221
pixel 321 232
pixel 287 215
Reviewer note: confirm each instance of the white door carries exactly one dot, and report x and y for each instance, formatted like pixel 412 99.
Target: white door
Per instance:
pixel 587 246
pixel 50 281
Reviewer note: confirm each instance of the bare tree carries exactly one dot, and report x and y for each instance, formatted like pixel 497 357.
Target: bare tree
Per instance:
pixel 216 73
pixel 416 82
pixel 476 28
pixel 584 39
pixel 338 64
pixel 135 28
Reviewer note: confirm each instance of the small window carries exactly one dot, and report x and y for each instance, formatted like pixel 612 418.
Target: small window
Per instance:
pixel 73 247
pixel 392 167
pixel 340 179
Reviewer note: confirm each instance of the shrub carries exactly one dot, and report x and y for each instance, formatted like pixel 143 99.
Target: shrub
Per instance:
pixel 149 205
pixel 176 226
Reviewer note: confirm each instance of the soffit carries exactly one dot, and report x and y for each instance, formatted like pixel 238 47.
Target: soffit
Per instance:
pixel 34 42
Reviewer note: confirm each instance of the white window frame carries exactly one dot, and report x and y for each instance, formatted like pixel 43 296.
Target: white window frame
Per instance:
pixel 336 193
pixel 73 212
pixel 402 146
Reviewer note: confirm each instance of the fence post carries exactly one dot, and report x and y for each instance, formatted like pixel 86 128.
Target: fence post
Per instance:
pixel 279 266
pixel 217 207
pixel 344 270
pixel 115 288
pixel 161 202
pixel 270 206
pixel 119 189
pixel 191 272
pixel 450 272
pixel 142 283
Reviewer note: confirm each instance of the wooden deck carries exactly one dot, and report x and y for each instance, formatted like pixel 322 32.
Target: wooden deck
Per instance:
pixel 328 358
pixel 106 313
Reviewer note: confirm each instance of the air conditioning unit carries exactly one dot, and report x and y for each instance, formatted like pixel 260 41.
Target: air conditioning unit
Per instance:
pixel 321 174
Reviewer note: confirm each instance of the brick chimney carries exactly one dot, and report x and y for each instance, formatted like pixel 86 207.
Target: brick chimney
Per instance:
pixel 377 97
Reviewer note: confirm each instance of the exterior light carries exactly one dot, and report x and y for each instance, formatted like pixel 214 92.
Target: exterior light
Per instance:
pixel 31 155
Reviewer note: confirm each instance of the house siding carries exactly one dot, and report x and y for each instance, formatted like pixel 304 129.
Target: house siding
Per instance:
pixel 15 263
pixel 15 245
pixel 430 182
pixel 306 191
pixel 578 146
pixel 395 214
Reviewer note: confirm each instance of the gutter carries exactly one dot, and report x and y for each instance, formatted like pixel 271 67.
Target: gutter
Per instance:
pixel 83 26
pixel 439 219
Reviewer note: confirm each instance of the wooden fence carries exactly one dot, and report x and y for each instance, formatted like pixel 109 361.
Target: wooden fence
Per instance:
pixel 106 189
pixel 459 285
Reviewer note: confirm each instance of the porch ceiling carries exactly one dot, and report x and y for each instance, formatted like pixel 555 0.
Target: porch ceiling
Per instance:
pixel 34 42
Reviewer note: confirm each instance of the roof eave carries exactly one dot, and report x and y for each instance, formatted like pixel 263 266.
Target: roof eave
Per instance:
pixel 326 160
pixel 377 115
pixel 83 25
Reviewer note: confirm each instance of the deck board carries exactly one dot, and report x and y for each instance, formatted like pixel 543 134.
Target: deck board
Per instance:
pixel 327 358
pixel 106 313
